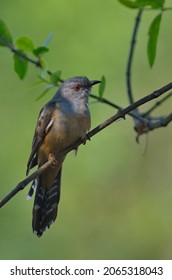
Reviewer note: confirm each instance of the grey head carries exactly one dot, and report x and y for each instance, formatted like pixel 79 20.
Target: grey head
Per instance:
pixel 76 88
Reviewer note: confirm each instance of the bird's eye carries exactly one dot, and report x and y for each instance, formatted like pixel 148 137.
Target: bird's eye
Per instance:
pixel 77 87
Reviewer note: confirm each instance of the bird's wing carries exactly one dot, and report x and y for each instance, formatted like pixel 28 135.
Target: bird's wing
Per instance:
pixel 44 123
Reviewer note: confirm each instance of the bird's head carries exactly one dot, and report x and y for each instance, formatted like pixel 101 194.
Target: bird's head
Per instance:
pixel 77 88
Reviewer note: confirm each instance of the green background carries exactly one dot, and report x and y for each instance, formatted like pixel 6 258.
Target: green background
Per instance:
pixel 116 198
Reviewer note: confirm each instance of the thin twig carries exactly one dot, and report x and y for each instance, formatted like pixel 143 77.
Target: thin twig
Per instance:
pixel 19 53
pixel 131 114
pixel 37 63
pixel 120 114
pixel 131 56
pixel 157 104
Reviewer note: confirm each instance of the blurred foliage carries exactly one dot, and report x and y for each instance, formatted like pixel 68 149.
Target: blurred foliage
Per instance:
pixel 115 203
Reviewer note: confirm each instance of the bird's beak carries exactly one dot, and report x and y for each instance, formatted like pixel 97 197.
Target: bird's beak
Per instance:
pixel 94 82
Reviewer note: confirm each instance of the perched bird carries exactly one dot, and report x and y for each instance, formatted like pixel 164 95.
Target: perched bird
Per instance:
pixel 61 122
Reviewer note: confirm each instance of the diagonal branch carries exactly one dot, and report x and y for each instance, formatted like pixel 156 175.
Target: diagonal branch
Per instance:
pixel 26 181
pixel 131 114
pixel 120 114
pixel 19 53
pixel 37 63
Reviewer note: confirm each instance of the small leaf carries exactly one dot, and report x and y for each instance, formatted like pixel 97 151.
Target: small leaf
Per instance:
pixel 153 37
pixel 20 66
pixel 128 3
pixel 44 92
pixel 40 50
pixel 48 39
pixel 4 34
pixel 24 43
pixel 35 85
pixel 102 86
pixel 54 78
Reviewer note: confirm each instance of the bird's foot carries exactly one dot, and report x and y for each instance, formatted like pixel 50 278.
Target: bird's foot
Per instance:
pixel 85 139
pixel 53 160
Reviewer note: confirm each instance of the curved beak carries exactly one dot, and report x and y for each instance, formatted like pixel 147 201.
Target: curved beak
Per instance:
pixel 94 82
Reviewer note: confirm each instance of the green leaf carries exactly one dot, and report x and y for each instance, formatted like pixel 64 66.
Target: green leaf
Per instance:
pixel 155 4
pixel 35 85
pixel 25 44
pixel 20 66
pixel 158 4
pixel 4 34
pixel 153 37
pixel 48 39
pixel 54 78
pixel 44 92
pixel 128 3
pixel 40 50
pixel 102 86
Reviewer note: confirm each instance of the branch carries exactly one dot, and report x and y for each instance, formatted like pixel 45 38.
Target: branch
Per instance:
pixel 141 118
pixel 20 54
pixel 131 55
pixel 37 63
pixel 120 114
pixel 26 181
pixel 157 104
pixel 162 122
pixel 131 114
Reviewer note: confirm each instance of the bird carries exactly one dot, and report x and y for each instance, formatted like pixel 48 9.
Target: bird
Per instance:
pixel 61 122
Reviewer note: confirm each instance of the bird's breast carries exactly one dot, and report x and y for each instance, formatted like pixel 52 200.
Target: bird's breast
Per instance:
pixel 67 127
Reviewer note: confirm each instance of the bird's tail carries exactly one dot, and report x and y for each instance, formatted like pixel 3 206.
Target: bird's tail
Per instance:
pixel 45 205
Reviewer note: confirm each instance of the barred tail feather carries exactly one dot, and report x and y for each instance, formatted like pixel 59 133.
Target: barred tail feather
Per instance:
pixel 46 206
pixel 32 189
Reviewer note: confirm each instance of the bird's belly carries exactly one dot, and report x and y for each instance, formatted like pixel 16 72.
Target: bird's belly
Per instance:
pixel 64 132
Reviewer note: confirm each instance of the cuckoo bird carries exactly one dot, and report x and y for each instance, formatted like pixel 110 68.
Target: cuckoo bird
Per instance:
pixel 61 122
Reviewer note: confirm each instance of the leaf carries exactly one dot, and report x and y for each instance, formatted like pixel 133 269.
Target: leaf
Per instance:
pixel 44 92
pixel 48 39
pixel 25 44
pixel 40 50
pixel 35 85
pixel 144 3
pixel 158 3
pixel 20 66
pixel 5 34
pixel 128 3
pixel 153 37
pixel 54 78
pixel 155 4
pixel 102 86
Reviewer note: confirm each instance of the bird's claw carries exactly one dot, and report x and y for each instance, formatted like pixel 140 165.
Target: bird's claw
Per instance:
pixel 53 160
pixel 85 139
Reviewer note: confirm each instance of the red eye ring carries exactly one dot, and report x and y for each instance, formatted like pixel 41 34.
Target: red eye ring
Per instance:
pixel 77 87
